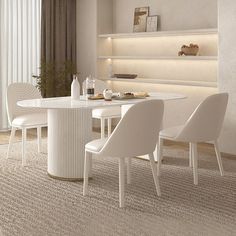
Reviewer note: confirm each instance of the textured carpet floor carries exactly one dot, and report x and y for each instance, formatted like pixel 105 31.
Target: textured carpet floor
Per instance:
pixel 31 203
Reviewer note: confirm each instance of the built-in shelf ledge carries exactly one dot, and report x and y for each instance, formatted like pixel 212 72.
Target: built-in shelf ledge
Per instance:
pixel 162 33
pixel 165 81
pixel 196 58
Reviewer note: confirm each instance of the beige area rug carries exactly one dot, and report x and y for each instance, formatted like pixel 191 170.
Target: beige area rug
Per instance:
pixel 31 203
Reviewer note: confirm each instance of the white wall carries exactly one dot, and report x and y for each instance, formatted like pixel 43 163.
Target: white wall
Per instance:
pixel 174 14
pixel 86 37
pixel 227 70
pixel 96 16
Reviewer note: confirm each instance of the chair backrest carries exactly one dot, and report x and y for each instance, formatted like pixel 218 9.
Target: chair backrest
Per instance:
pixel 99 86
pixel 17 92
pixel 137 132
pixel 206 121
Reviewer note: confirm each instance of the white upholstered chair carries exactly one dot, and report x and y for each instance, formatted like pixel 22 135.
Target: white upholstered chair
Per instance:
pixel 24 118
pixel 104 114
pixel 203 125
pixel 136 134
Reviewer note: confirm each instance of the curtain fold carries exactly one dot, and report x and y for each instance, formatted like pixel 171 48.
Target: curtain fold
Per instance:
pixel 58 41
pixel 20 22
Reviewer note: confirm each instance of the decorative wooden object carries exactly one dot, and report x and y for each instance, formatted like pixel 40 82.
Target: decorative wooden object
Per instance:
pixel 191 50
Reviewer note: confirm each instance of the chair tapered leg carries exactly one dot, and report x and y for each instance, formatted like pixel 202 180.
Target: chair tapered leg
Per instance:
pixel 156 152
pixel 195 163
pixel 129 160
pixel 154 173
pixel 102 128
pixel 109 126
pixel 190 155
pixel 159 156
pixel 90 167
pixel 157 149
pixel 87 165
pixel 39 135
pixel 122 182
pixel 13 131
pixel 218 155
pixel 24 134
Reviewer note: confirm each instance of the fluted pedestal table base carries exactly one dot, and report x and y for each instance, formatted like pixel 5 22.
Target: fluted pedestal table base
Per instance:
pixel 68 132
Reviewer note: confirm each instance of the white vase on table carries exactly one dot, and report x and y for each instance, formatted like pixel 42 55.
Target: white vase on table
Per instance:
pixel 75 88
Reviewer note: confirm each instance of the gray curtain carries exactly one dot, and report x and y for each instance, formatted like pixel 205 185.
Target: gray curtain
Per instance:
pixel 58 46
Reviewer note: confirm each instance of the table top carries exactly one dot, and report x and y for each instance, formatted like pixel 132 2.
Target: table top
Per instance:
pixel 68 103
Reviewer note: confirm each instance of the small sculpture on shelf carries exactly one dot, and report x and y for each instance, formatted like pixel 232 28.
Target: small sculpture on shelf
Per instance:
pixel 191 50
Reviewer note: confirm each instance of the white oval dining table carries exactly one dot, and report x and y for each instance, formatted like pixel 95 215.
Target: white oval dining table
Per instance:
pixel 70 128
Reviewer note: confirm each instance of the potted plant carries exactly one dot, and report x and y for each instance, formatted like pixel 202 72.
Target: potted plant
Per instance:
pixel 55 79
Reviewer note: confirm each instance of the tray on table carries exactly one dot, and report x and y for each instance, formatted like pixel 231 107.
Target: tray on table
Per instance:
pixel 131 96
pixel 96 97
pixel 123 97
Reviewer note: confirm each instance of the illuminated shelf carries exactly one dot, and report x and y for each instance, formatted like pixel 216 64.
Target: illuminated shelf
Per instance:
pixel 211 31
pixel 165 81
pixel 195 58
pixel 128 55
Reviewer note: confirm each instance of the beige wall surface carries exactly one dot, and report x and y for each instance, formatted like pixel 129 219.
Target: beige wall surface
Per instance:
pixel 227 70
pixel 86 37
pixel 174 14
pixel 98 16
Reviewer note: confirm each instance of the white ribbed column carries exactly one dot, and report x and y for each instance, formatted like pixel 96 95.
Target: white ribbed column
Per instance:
pixel 68 132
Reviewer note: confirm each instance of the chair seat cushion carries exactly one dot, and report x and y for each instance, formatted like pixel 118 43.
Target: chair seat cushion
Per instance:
pixel 95 145
pixel 29 120
pixel 106 112
pixel 170 133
